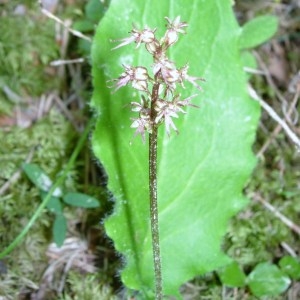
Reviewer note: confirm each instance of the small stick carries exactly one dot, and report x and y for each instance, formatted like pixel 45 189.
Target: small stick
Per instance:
pixel 275 117
pixel 56 19
pixel 279 127
pixel 66 62
pixel 66 112
pixel 269 78
pixel 279 215
pixel 288 249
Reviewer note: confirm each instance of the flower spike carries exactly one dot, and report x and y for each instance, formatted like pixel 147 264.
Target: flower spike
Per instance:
pixel 161 103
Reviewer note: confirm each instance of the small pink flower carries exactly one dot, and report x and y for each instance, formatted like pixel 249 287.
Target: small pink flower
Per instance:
pixel 169 74
pixel 166 110
pixel 124 78
pixel 165 113
pixel 176 25
pixel 142 126
pixel 124 42
pixel 185 102
pixel 145 36
pixel 169 122
pixel 140 85
pixel 141 73
pixel 137 75
pixel 174 28
pixel 191 79
pixel 153 47
pixel 142 108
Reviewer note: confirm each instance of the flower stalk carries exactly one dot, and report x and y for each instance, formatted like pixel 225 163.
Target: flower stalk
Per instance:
pixel 159 104
pixel 153 196
pixel 154 212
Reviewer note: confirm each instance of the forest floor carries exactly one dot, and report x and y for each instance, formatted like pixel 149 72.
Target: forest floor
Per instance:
pixel 45 89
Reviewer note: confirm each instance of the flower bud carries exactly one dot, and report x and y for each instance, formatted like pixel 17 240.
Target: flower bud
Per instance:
pixel 153 47
pixel 170 75
pixel 141 73
pixel 170 38
pixel 140 85
pixel 147 36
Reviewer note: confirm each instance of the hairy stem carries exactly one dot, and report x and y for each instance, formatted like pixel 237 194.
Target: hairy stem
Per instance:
pixel 154 211
pixel 153 197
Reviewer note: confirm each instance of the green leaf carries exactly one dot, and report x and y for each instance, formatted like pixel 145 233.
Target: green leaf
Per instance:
pixel 80 200
pixel 291 266
pixel 59 229
pixel 84 26
pixel 257 31
pixel 54 204
pixel 94 10
pixel 84 47
pixel 267 280
pixel 201 171
pixel 232 275
pixel 39 178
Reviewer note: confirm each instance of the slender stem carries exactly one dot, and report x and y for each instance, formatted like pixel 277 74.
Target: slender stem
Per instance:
pixel 153 197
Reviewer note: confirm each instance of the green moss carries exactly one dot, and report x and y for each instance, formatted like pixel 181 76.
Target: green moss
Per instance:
pixel 50 138
pixel 256 234
pixel 86 287
pixel 27 46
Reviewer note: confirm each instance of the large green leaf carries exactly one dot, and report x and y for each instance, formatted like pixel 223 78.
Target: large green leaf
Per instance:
pixel 267 280
pixel 203 170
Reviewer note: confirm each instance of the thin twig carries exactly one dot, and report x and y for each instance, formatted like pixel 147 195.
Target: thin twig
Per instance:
pixel 65 111
pixel 288 249
pixel 279 127
pixel 60 62
pixel 275 117
pixel 254 71
pixel 269 78
pixel 279 215
pixel 12 96
pixel 272 84
pixel 56 19
pixel 293 108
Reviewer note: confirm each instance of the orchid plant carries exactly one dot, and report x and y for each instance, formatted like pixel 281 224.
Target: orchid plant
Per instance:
pixel 160 103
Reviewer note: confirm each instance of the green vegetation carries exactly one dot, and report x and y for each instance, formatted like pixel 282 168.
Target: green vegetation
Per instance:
pixel 263 247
